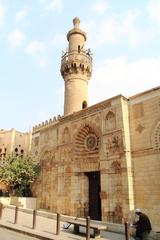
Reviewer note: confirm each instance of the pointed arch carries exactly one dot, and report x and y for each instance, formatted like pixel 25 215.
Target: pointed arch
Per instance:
pixel 110 121
pixel 66 135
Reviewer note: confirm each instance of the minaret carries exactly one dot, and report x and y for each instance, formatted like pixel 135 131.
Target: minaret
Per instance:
pixel 76 69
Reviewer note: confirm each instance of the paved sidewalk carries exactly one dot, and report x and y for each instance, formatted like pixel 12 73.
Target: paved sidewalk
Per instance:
pixel 64 234
pixel 7 234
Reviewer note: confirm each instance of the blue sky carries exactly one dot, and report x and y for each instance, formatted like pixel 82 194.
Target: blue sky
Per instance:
pixel 124 37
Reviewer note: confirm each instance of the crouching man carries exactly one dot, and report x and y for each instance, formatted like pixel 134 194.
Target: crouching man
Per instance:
pixel 143 226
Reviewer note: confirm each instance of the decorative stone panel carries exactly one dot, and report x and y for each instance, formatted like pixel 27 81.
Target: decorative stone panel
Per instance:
pixel 87 144
pixel 156 137
pixel 113 143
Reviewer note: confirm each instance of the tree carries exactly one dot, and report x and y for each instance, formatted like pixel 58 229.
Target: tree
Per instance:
pixel 18 173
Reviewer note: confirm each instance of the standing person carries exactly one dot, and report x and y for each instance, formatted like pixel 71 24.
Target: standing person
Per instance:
pixel 143 226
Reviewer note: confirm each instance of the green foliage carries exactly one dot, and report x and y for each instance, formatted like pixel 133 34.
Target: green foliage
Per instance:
pixel 18 173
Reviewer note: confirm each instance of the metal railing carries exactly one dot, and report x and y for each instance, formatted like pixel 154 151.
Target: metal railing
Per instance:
pixel 84 56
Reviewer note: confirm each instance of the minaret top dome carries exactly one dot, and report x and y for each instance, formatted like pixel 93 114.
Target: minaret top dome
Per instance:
pixel 76 29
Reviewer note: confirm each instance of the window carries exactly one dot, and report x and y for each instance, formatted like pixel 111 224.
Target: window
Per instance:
pixel 84 104
pixel 16 150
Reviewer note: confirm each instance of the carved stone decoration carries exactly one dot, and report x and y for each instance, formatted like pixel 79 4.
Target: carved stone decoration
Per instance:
pixel 47 159
pixel 110 121
pixel 87 144
pixel 118 214
pixel 114 143
pixel 116 165
pixel 91 142
pixel 156 137
pixel 140 128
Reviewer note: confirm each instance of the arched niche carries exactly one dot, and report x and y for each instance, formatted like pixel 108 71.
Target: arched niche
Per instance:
pixel 66 135
pixel 110 121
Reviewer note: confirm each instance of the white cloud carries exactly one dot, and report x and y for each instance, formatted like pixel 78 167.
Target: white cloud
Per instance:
pixel 35 48
pixel 54 5
pixel 129 20
pixel 59 39
pixel 16 38
pixel 101 6
pixel 154 10
pixel 106 32
pixel 2 14
pixel 131 29
pixel 42 62
pixel 21 14
pixel 119 76
pixel 121 27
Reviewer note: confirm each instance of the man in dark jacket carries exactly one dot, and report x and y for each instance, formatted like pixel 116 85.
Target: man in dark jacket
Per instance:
pixel 143 226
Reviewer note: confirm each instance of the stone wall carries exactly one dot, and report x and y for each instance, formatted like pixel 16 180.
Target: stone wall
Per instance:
pixel 119 138
pixel 145 132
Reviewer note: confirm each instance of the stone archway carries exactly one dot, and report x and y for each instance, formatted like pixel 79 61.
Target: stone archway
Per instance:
pixel 87 144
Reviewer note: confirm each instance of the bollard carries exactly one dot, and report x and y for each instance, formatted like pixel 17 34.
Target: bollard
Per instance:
pixel 16 215
pixel 88 228
pixel 127 231
pixel 34 219
pixel 58 224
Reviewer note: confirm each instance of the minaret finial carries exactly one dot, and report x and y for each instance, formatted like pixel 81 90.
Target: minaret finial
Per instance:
pixel 76 22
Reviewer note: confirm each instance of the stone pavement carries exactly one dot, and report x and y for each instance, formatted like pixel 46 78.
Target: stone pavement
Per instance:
pixel 7 234
pixel 21 231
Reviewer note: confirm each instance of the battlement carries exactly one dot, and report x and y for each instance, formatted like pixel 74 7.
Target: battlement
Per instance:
pixel 76 61
pixel 49 122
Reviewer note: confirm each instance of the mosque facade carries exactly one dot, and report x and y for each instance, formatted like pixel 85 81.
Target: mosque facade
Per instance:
pixel 101 160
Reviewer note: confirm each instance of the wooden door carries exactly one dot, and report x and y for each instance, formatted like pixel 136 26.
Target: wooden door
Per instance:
pixel 94 196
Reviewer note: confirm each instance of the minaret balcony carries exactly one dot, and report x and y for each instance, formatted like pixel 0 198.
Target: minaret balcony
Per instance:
pixel 76 61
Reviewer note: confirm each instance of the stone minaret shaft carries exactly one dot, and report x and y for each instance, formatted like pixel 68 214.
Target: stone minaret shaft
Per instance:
pixel 76 69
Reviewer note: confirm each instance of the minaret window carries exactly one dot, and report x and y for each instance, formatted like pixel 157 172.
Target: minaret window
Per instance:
pixel 84 104
pixel 79 48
